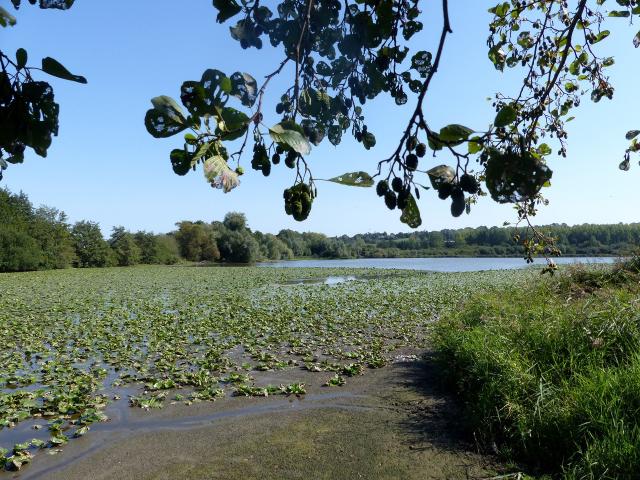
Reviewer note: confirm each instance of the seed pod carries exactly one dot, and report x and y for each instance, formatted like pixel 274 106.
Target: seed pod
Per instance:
pixel 396 184
pixel 411 161
pixel 390 200
pixel 469 184
pixel 457 206
pixel 444 191
pixel 382 187
pixel 421 150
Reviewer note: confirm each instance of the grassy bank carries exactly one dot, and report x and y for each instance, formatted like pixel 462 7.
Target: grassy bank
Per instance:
pixel 550 373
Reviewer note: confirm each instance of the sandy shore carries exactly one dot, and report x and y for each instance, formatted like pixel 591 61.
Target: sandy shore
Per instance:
pixel 391 423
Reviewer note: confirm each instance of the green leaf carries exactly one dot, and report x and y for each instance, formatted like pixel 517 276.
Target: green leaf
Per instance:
pixel 474 145
pixel 219 174
pixel 619 13
pixel 244 87
pixel 411 213
pixel 354 179
pixel 169 107
pixel 6 19
pixel 441 174
pixel 631 134
pixel 21 58
pixel 455 133
pixel 181 161
pixel 232 123
pixel 636 40
pixel 56 69
pixel 293 138
pixel 161 125
pixel 601 36
pixel 506 116
pixel 226 9
pixel 544 150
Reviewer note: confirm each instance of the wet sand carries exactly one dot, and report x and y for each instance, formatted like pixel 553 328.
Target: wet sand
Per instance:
pixel 392 423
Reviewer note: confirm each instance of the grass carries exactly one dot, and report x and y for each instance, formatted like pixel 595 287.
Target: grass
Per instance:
pixel 549 372
pixel 74 341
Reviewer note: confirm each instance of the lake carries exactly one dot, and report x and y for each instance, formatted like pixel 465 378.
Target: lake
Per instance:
pixel 440 264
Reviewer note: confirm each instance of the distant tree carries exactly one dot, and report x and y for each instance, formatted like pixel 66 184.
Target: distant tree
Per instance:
pixel 125 249
pixel 51 230
pixel 238 247
pixel 92 250
pixel 18 250
pixel 197 241
pixel 235 221
pixel 167 250
pixel 147 242
pixel 273 248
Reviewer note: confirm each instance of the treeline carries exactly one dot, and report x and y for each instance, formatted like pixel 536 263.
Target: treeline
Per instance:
pixel 42 238
pixel 577 240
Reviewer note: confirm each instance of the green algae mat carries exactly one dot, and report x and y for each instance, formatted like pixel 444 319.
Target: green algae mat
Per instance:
pixel 77 341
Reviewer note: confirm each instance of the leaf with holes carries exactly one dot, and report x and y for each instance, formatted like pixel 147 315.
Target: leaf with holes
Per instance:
pixel 411 213
pixel 354 179
pixel 244 87
pixel 631 134
pixel 219 175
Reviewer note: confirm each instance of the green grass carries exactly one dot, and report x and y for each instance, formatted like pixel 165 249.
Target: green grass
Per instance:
pixel 74 341
pixel 549 373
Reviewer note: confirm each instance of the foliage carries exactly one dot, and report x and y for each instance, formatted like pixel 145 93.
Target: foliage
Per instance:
pixel 32 238
pixel 92 250
pixel 197 242
pixel 238 247
pixel 345 54
pixel 125 248
pixel 28 111
pixel 551 376
pixel 149 332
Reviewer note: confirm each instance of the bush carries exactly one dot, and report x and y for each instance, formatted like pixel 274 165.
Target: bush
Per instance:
pixel 553 378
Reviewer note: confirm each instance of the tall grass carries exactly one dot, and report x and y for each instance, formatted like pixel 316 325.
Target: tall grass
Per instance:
pixel 550 373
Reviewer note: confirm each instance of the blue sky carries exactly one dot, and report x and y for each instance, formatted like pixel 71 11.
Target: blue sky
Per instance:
pixel 104 166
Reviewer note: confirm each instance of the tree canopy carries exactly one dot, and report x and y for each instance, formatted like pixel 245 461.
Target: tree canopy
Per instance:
pixel 346 54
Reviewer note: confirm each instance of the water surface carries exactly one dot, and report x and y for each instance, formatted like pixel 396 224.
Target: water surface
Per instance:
pixel 441 264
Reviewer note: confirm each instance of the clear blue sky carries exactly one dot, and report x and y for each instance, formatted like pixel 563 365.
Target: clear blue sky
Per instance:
pixel 104 166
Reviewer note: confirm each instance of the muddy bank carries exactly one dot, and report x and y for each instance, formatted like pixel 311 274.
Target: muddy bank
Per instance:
pixel 388 424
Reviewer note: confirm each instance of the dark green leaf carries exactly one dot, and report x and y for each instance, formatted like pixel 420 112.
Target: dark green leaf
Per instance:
pixel 244 87
pixel 6 19
pixel 411 213
pixel 506 116
pixel 631 134
pixel 293 138
pixel 455 133
pixel 56 69
pixel 354 179
pixel 619 13
pixel 226 9
pixel 441 174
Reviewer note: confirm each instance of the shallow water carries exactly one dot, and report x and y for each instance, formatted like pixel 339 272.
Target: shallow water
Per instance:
pixel 449 264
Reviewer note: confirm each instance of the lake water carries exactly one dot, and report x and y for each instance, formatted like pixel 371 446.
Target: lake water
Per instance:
pixel 449 264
